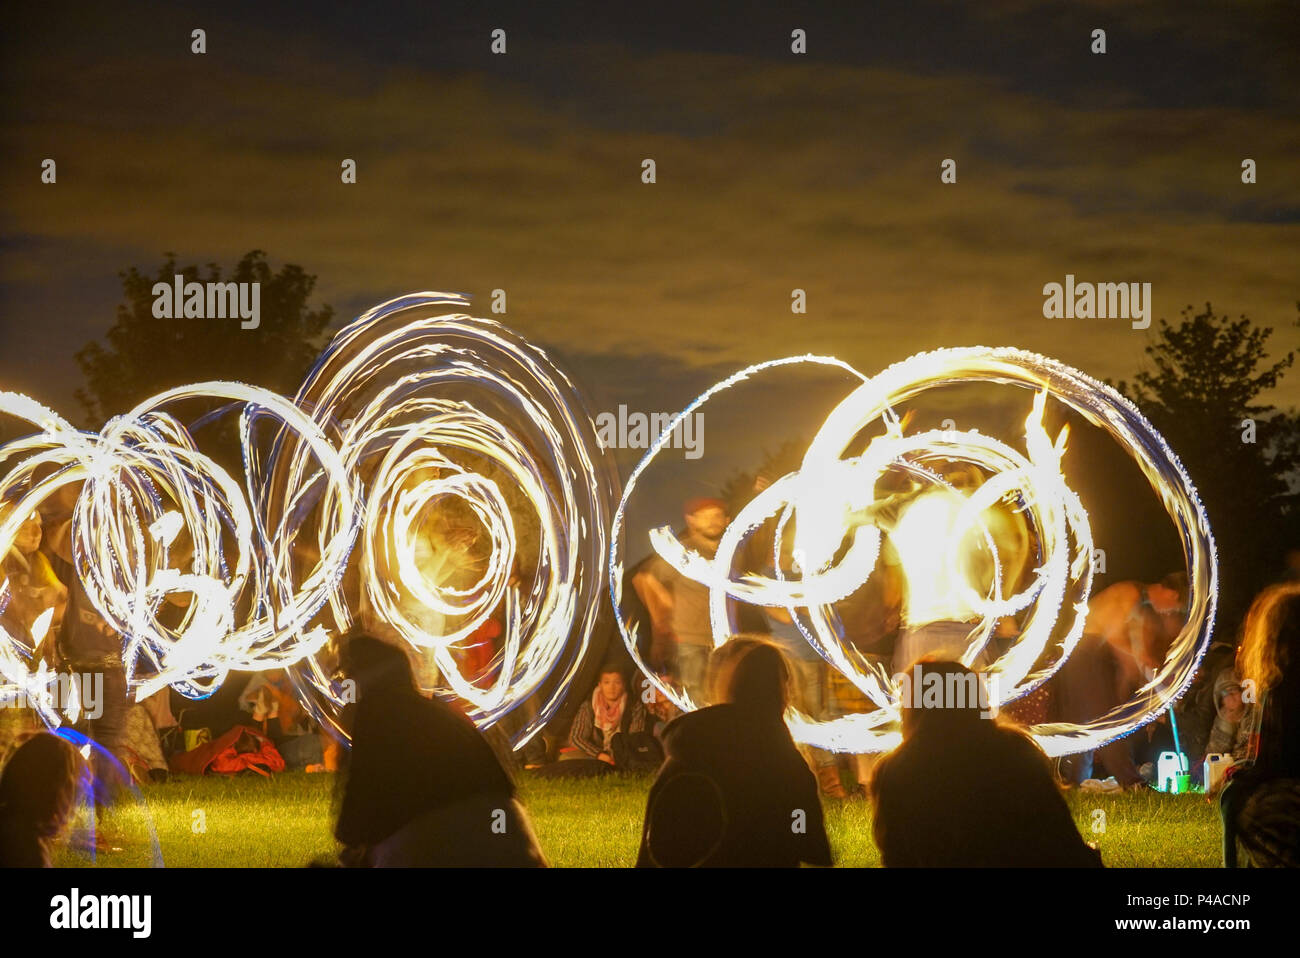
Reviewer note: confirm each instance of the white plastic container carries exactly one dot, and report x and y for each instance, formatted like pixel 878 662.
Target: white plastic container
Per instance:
pixel 1171 772
pixel 1216 766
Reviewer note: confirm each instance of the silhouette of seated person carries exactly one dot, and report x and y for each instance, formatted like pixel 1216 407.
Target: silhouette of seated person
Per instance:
pixel 421 786
pixel 963 790
pixel 38 793
pixel 734 790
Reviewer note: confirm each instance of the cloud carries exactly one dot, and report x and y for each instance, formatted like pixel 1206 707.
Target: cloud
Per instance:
pixel 773 173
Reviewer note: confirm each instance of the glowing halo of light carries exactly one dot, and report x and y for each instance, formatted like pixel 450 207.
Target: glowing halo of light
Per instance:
pixel 269 550
pixel 55 442
pixel 392 388
pixel 829 509
pixel 144 481
pixel 1060 521
pixel 661 536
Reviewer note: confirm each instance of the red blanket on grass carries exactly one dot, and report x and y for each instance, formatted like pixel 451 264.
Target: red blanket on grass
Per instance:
pixel 238 749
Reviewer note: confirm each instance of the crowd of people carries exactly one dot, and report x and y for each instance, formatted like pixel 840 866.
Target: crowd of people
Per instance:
pixel 420 785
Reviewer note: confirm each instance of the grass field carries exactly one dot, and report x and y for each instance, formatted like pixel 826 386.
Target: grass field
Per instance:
pixel 286 822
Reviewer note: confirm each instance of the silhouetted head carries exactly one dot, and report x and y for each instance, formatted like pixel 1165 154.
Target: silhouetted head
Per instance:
pixel 942 696
pixel 753 674
pixel 38 787
pixel 721 661
pixel 375 665
pixel 962 790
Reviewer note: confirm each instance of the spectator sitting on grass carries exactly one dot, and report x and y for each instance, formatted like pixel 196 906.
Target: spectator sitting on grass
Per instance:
pixel 422 788
pixel 38 791
pixel 734 790
pixel 604 721
pixel 1261 804
pixel 660 712
pixel 963 791
pixel 1234 721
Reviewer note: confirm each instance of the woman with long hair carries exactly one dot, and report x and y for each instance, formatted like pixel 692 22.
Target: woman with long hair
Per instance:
pixel 963 790
pixel 733 790
pixel 1261 804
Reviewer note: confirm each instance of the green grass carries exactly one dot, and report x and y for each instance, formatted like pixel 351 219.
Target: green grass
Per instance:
pixel 286 822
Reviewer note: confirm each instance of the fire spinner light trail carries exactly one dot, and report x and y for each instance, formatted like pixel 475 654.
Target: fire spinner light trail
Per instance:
pixel 142 482
pixel 431 408
pixel 384 435
pixel 831 500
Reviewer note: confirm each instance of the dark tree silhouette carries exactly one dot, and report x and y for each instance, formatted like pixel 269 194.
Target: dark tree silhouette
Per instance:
pixel 1204 392
pixel 145 354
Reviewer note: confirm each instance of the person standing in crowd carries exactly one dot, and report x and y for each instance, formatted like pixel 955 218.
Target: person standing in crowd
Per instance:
pixel 734 790
pixel 682 637
pixel 38 792
pixel 1260 806
pixel 33 612
pixel 963 790
pixel 420 787
pixel 1127 634
pixel 810 690
pixel 872 618
pixel 87 645
pixel 37 597
pixel 808 669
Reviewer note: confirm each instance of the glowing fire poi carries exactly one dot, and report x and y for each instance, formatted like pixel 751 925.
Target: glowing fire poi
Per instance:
pixel 436 408
pixel 831 500
pixel 144 481
pixel 411 411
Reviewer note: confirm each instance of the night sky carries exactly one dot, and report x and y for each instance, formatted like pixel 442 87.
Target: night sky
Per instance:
pixel 775 171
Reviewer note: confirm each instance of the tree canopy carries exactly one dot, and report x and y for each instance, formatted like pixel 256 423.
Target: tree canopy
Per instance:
pixel 144 354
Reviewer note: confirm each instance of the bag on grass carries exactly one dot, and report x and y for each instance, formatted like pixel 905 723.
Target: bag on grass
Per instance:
pixel 238 749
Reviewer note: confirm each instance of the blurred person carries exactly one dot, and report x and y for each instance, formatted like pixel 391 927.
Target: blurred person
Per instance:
pixel 38 793
pixel 660 712
pixel 537 751
pixel 963 790
pixel 810 680
pixel 87 645
pixel 31 613
pixel 681 636
pixel 421 787
pixel 1260 806
pixel 37 597
pixel 1199 710
pixel 872 620
pixel 1126 637
pixel 1234 722
pixel 924 523
pixel 734 790
pixel 808 669
pixel 273 702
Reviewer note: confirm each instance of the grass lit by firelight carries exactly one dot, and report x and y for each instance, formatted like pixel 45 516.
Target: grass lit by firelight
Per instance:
pixel 286 822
